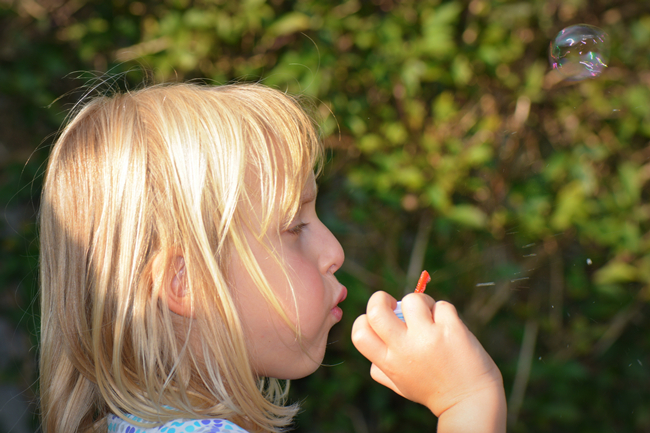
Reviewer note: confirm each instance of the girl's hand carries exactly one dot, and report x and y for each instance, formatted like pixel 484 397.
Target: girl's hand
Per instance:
pixel 432 359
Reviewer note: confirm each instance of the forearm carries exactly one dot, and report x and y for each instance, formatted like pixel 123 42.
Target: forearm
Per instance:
pixel 483 412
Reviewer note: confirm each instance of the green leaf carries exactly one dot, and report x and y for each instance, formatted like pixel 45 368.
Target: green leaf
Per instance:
pixel 569 206
pixel 467 215
pixel 616 272
pixel 438 197
pixel 370 143
pixel 290 23
pixel 437 29
pixel 444 106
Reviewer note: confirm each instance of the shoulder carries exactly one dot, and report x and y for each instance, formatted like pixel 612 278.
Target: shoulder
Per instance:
pixel 118 425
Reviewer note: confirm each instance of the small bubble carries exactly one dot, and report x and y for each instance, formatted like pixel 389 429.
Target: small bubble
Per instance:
pixel 579 52
pixel 589 262
pixel 540 358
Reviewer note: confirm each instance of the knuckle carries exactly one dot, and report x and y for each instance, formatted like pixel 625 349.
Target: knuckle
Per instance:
pixel 409 296
pixel 375 303
pixel 447 306
pixel 373 314
pixel 377 297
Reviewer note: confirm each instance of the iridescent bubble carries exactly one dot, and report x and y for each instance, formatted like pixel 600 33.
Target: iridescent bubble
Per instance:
pixel 579 52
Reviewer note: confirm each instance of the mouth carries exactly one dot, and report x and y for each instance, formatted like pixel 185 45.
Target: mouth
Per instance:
pixel 336 311
pixel 343 295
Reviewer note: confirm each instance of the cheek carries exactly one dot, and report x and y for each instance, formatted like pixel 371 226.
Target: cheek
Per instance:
pixel 311 298
pixel 306 279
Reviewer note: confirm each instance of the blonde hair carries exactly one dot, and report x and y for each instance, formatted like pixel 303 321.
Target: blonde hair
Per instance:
pixel 140 174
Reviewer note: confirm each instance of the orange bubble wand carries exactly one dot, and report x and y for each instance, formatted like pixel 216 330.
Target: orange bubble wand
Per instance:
pixel 422 282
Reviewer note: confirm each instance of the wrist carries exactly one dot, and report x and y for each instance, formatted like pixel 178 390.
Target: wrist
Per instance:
pixel 482 412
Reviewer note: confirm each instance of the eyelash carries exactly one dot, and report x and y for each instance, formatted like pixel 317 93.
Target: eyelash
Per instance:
pixel 297 229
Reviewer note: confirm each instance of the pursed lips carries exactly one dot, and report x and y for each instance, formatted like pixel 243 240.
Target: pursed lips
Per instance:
pixel 336 311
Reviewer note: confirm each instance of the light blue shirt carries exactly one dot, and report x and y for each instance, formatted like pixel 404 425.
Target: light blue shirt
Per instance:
pixel 118 425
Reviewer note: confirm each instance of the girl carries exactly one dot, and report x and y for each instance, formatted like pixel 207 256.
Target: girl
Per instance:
pixel 185 274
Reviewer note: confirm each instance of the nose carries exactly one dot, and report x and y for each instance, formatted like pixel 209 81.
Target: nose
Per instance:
pixel 331 256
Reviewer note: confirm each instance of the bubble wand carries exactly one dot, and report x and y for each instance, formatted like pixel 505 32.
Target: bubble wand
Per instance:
pixel 419 288
pixel 422 282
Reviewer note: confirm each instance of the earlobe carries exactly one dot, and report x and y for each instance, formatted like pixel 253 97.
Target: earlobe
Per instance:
pixel 175 290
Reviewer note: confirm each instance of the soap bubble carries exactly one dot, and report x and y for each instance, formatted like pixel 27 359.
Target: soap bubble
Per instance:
pixel 579 52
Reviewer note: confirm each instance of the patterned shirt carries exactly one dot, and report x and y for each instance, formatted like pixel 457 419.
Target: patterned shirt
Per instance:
pixel 118 425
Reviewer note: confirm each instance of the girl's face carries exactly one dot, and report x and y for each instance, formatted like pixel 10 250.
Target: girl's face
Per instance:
pixel 312 255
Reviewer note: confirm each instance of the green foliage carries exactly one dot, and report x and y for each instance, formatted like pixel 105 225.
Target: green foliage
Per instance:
pixel 445 125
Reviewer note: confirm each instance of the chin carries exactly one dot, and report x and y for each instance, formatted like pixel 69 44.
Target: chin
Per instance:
pixel 301 368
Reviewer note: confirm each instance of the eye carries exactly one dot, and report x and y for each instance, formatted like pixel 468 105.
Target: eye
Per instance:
pixel 297 229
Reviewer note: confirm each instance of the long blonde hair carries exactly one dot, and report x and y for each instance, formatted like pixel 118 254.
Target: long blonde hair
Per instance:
pixel 145 173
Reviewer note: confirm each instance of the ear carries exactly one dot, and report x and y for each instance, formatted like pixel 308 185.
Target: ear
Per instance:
pixel 175 289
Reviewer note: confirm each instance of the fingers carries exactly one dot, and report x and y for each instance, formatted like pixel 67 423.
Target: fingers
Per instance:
pixel 418 309
pixel 366 340
pixel 380 377
pixel 421 310
pixel 444 312
pixel 382 319
pixel 374 331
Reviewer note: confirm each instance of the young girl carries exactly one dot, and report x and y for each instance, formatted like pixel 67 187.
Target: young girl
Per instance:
pixel 185 274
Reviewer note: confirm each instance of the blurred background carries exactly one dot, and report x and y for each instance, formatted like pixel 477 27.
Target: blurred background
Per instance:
pixel 452 146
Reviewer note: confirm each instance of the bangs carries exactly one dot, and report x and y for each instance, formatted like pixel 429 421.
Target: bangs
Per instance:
pixel 284 150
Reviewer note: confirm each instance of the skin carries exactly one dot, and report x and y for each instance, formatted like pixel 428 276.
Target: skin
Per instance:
pixel 312 255
pixel 432 359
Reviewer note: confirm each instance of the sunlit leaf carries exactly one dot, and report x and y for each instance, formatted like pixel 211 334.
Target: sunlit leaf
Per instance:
pixel 616 272
pixel 467 215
